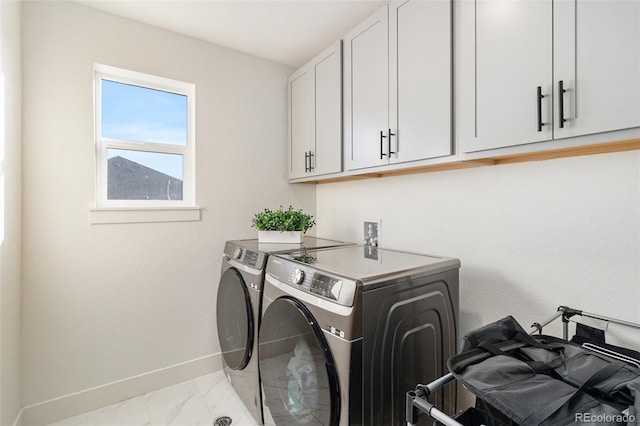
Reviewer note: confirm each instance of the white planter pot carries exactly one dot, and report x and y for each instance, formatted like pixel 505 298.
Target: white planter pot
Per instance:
pixel 286 237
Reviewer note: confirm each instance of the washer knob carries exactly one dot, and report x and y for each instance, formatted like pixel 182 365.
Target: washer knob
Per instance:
pixel 298 276
pixel 237 254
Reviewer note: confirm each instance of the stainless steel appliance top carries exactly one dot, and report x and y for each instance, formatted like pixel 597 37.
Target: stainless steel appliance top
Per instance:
pixel 309 243
pixel 368 264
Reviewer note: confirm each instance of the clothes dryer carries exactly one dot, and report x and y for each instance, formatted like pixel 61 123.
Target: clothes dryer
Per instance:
pixel 347 331
pixel 238 308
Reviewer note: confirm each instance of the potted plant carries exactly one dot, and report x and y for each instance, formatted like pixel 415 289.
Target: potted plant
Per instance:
pixel 282 226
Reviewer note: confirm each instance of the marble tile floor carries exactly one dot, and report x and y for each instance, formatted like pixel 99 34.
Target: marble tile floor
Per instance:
pixel 193 403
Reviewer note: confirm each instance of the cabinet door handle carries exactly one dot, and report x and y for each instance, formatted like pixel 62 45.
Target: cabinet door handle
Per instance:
pixel 311 161
pixel 306 162
pixel 391 152
pixel 382 136
pixel 539 100
pixel 561 93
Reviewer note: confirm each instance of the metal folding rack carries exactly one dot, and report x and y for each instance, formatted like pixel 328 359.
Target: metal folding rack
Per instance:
pixel 416 400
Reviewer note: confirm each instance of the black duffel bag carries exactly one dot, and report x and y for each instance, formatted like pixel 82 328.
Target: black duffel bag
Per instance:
pixel 531 380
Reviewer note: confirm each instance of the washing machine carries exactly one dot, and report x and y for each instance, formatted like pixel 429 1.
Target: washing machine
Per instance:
pixel 347 331
pixel 238 308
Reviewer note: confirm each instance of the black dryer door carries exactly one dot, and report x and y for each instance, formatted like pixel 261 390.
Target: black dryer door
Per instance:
pixel 235 320
pixel 298 375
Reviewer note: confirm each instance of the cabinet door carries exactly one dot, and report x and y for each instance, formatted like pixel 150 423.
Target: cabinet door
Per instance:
pixel 420 79
pixel 597 57
pixel 327 157
pixel 366 94
pixel 301 120
pixel 513 57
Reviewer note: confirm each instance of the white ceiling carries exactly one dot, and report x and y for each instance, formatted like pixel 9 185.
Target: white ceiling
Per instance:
pixel 288 32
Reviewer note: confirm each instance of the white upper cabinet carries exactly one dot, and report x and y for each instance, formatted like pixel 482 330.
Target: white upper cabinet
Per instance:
pixel 315 116
pixel 328 129
pixel 514 57
pixel 398 85
pixel 366 94
pixel 301 121
pixel 513 60
pixel 420 79
pixel 597 60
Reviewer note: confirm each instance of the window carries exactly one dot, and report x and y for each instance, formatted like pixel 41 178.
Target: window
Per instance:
pixel 144 136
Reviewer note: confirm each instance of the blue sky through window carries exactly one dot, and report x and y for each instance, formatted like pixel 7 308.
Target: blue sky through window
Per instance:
pixel 141 114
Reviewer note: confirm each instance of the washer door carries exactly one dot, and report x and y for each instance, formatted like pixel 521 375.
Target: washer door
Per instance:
pixel 235 319
pixel 299 379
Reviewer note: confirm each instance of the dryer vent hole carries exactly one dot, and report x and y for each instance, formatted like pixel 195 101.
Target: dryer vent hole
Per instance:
pixel 222 421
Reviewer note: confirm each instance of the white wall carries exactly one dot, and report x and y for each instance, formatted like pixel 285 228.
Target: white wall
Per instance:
pixel 10 212
pixel 104 303
pixel 530 236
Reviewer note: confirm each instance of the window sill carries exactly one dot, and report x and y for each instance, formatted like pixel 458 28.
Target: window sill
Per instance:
pixel 106 215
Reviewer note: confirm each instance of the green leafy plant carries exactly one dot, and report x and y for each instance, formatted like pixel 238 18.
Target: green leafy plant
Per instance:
pixel 282 220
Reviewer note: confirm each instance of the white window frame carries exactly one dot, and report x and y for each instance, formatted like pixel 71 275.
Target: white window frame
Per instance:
pixel 102 144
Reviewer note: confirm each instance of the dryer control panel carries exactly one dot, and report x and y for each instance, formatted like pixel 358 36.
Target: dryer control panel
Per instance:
pixel 250 258
pixel 247 257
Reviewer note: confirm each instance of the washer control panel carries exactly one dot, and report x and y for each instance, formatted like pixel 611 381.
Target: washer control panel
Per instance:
pixel 298 276
pixel 326 286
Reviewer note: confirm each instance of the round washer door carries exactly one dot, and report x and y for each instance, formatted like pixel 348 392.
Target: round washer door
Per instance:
pixel 299 379
pixel 235 320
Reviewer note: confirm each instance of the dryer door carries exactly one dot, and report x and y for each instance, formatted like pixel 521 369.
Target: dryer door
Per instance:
pixel 299 379
pixel 235 320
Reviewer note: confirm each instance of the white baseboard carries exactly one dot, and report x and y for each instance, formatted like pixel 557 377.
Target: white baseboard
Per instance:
pixel 46 412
